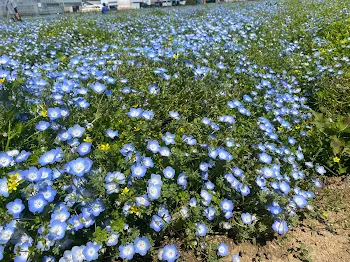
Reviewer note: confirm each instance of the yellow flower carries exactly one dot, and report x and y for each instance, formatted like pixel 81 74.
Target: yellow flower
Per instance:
pixel 13 186
pixel 133 210
pixel 176 56
pixel 125 190
pixel 135 106
pixel 297 127
pixel 325 215
pixel 44 113
pixel 2 80
pixel 336 159
pixel 137 128
pixel 88 139
pixel 14 177
pixel 13 181
pixel 309 132
pixel 280 128
pixel 104 147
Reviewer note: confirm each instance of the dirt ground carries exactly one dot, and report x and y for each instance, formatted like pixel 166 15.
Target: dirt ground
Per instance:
pixel 325 238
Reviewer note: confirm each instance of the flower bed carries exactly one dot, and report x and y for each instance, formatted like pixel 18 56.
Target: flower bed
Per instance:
pixel 121 134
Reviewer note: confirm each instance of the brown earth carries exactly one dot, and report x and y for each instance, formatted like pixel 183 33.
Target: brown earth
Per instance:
pixel 319 238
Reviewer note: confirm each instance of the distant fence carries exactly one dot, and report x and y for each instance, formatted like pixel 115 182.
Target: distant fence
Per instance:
pixel 34 7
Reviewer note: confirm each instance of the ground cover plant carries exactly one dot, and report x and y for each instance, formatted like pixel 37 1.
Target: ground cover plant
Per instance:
pixel 123 133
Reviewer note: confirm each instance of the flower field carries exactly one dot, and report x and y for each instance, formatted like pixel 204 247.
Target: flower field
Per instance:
pixel 137 135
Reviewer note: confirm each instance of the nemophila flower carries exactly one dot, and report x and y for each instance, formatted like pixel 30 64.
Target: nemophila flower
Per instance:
pixel 201 229
pixel 153 89
pixel 135 112
pixel 50 157
pixel 112 239
pixel 32 175
pixel 1 252
pixel 142 201
pixel 148 115
pixel 321 170
pixel 170 253
pixel 75 222
pixel 153 146
pixel 223 249
pixel 47 259
pixel 189 140
pixel 169 138
pixel 141 245
pixel 163 212
pixel 154 192
pixel 244 189
pixel 57 230
pixel 4 190
pixel 79 166
pixel 265 158
pixel 37 203
pixel 174 115
pixel 209 185
pixel 236 258
pixel 226 205
pixel 112 134
pixel 193 202
pixel 60 213
pixel 210 213
pixel 22 253
pixel 76 131
pixel 91 251
pixel 247 218
pixel 54 113
pixel 15 208
pixel 42 126
pixel 77 253
pixel 300 200
pixel 147 161
pixel 280 226
pixel 94 208
pixel 49 193
pixel 98 88
pixel 84 148
pixel 127 251
pixel 138 170
pixel 169 172
pixel 155 180
pixel 206 197
pixel 22 156
pixel 64 136
pixel 182 180
pixel 117 177
pixel 127 149
pixel 157 223
pixel 164 151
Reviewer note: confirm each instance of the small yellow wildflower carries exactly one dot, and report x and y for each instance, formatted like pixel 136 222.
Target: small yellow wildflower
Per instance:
pixel 176 56
pixel 336 159
pixel 88 139
pixel 297 127
pixel 104 147
pixel 137 128
pixel 135 106
pixel 125 190
pixel 325 215
pixel 44 113
pixel 13 181
pixel 133 210
pixel 309 132
pixel 2 80
pixel 280 128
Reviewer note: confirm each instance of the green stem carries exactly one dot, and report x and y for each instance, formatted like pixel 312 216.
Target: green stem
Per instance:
pixel 8 136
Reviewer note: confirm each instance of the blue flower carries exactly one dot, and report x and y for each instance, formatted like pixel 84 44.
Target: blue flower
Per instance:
pixel 163 212
pixel 54 113
pixel 141 245
pixel 169 172
pixel 210 213
pixel 42 125
pixel 112 134
pixel 135 112
pixel 280 226
pixel 223 249
pixel 174 115
pixel 201 229
pixel 47 259
pixel 170 253
pixel 76 131
pixel 300 200
pixel 206 197
pixel 23 156
pixel 138 170
pixel 15 208
pixel 236 258
pixel 79 166
pixel 50 157
pixel 155 180
pixel 169 138
pixel 265 158
pixel 1 252
pixel 49 193
pixel 57 230
pixel 84 148
pixel 226 205
pixel 91 251
pixel 77 253
pixel 112 239
pixel 142 201
pixel 157 223
pixel 147 161
pixel 154 192
pixel 32 175
pixel 148 115
pixel 37 203
pixel 4 190
pixel 98 88
pixel 127 251
pixel 182 180
pixel 153 146
pixel 247 218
